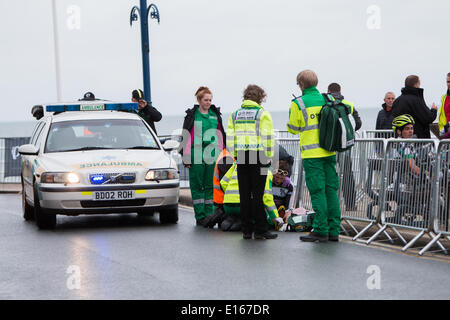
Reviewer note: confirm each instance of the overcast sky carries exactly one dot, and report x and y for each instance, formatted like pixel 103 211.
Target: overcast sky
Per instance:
pixel 368 46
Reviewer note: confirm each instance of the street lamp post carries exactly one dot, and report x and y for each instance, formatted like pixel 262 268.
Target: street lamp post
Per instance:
pixel 143 13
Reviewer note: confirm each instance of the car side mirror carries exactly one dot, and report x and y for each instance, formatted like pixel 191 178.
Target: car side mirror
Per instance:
pixel 28 150
pixel 170 145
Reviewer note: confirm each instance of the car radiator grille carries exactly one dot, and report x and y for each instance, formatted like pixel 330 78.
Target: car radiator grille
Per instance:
pixel 128 177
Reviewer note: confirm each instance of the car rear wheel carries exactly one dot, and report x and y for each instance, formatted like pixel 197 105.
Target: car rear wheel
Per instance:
pixel 28 211
pixel 44 220
pixel 168 216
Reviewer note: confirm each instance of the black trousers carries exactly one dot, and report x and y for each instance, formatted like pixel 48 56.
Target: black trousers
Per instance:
pixel 252 180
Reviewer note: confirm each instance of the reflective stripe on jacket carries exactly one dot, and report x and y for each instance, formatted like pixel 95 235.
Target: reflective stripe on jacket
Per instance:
pixel 250 129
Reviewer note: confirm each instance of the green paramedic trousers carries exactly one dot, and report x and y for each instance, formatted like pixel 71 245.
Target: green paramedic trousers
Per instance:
pixel 201 184
pixel 323 184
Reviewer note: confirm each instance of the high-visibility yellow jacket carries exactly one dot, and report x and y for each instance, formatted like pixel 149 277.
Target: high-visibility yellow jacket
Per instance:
pixel 349 103
pixel 442 116
pixel 303 119
pixel 250 128
pixel 230 186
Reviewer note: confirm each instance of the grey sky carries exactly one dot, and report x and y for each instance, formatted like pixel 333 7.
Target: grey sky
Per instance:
pixel 224 45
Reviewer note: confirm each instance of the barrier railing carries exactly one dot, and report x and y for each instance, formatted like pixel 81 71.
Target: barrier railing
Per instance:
pixel 281 134
pixel 360 177
pixel 10 159
pixel 441 194
pixel 384 134
pixel 291 145
pixel 407 199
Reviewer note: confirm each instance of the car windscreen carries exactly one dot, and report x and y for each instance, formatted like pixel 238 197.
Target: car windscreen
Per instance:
pixel 81 135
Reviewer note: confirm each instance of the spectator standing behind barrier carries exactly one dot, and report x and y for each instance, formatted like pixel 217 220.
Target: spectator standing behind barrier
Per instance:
pixel 319 164
pixel 444 112
pixel 385 117
pixel 203 140
pixel 250 136
pixel 411 102
pixel 348 191
pixel 146 111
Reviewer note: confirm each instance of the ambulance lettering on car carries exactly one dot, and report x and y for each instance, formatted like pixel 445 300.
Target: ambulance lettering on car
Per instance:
pixel 87 158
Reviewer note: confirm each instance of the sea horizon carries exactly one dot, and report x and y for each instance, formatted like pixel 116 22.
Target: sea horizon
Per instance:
pixel 171 123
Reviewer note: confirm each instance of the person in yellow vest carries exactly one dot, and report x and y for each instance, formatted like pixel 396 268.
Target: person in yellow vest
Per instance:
pixel 230 185
pixel 444 111
pixel 223 164
pixel 251 141
pixel 319 164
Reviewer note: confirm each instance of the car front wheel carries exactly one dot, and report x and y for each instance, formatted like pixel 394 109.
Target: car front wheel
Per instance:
pixel 44 220
pixel 168 216
pixel 28 211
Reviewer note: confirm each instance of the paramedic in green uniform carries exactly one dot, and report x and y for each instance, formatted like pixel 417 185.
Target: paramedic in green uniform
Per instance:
pixel 203 140
pixel 319 164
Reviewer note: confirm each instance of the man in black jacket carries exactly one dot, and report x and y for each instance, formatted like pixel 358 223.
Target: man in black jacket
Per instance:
pixel 146 111
pixel 384 118
pixel 411 102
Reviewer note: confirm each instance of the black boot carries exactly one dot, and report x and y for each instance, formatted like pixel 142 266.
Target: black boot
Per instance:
pixel 237 225
pixel 247 235
pixel 265 235
pixel 313 237
pixel 200 222
pixel 227 223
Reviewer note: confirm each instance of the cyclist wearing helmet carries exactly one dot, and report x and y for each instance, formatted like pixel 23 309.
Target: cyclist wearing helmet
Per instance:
pixel 403 126
pixel 414 173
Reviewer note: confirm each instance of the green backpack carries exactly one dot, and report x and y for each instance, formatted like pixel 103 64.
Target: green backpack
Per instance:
pixel 336 132
pixel 300 222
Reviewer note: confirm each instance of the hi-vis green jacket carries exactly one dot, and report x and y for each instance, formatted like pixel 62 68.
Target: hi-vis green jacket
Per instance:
pixel 250 128
pixel 230 185
pixel 303 119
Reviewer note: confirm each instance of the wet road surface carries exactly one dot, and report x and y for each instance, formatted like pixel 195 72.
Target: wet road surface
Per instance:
pixel 128 257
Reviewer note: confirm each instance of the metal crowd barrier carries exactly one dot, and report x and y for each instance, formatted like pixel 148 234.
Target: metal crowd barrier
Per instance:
pixel 384 134
pixel 10 167
pixel 282 134
pixel 378 186
pixel 407 199
pixel 360 178
pixel 441 194
pixel 291 145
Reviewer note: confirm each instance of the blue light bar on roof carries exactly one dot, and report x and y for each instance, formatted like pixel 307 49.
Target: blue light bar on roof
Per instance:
pixel 92 107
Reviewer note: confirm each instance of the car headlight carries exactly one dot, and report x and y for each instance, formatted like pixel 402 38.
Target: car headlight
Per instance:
pixel 164 174
pixel 60 177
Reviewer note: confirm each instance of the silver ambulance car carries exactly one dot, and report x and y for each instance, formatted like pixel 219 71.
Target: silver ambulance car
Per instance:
pixel 93 157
